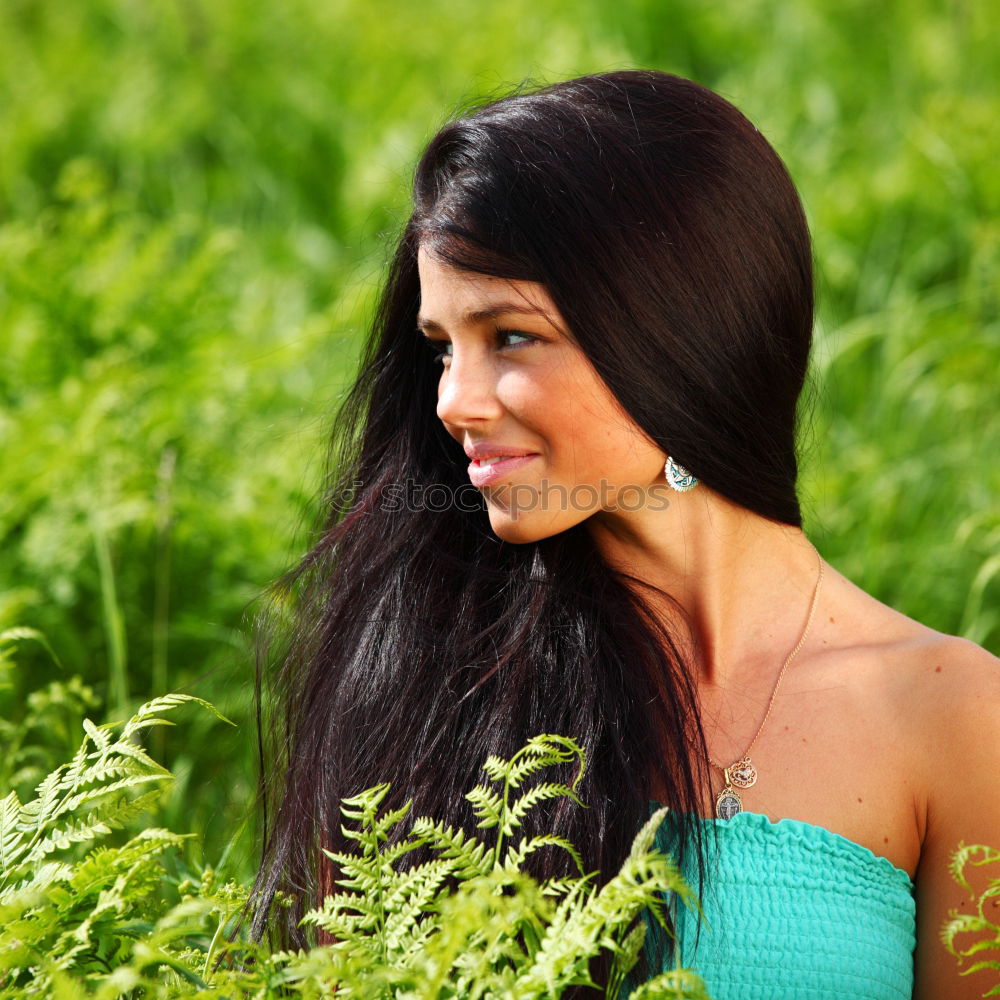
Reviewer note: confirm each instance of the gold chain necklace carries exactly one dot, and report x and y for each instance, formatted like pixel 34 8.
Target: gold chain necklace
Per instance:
pixel 742 773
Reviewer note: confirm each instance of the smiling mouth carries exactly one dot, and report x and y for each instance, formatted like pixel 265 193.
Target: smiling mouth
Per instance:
pixel 483 462
pixel 484 472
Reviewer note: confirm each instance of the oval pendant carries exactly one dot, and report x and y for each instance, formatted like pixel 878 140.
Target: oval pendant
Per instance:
pixel 728 804
pixel 743 774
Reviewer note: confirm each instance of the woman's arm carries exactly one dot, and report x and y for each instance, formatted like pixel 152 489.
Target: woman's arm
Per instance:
pixel 958 742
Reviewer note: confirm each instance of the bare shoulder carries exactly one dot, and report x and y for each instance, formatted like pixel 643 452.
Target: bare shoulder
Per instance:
pixel 952 732
pixel 923 710
pixel 956 704
pixel 954 673
pixel 954 689
pixel 937 695
pixel 947 691
pixel 926 668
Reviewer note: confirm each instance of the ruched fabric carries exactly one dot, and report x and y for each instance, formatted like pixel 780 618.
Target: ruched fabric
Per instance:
pixel 795 912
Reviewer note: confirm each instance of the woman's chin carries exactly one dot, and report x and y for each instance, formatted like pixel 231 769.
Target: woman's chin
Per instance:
pixel 512 530
pixel 524 528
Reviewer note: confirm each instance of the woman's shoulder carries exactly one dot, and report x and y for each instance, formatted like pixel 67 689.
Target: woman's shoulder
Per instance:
pixel 942 680
pixel 919 713
pixel 937 695
pixel 906 654
pixel 953 699
pixel 970 673
pixel 935 699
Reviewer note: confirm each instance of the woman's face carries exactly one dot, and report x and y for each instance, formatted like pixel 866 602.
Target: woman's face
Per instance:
pixel 514 382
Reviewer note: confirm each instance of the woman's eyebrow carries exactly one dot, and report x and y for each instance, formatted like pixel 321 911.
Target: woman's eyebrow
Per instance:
pixel 479 315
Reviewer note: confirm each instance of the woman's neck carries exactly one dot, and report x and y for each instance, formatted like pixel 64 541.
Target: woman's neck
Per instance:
pixel 743 583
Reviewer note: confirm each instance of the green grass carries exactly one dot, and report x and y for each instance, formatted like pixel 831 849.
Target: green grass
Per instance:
pixel 195 205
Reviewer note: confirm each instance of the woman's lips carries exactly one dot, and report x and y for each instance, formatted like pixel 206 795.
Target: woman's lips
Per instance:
pixel 485 475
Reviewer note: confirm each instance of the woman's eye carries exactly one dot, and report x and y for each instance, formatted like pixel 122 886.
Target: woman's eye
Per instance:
pixel 503 335
pixel 442 349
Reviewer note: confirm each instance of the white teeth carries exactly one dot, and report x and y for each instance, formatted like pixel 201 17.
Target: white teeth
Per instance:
pixel 483 462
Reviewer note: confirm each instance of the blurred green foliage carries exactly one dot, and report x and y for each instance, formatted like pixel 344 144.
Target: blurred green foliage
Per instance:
pixel 196 200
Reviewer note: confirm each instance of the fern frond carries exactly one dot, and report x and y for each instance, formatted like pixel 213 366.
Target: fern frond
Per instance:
pixel 541 752
pixel 9 636
pixel 459 925
pixel 344 915
pixel 967 855
pixel 981 967
pixel 586 924
pixel 11 830
pixel 626 954
pixel 559 887
pixel 91 796
pixel 496 768
pixel 107 768
pixel 100 738
pixel 145 716
pixel 516 855
pixel 135 753
pixel 474 857
pixel 364 803
pixel 392 818
pixel 46 795
pixel 542 792
pixel 119 812
pixel 412 897
pixel 476 951
pixel 677 984
pixel 76 766
pixel 18 633
pixel 519 770
pixel 487 806
pixel 986 944
pixel 61 837
pixel 50 873
pixel 146 844
pixel 643 841
pixel 967 923
pixel 109 815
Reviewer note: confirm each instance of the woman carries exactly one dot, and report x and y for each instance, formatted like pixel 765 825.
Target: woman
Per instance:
pixel 566 502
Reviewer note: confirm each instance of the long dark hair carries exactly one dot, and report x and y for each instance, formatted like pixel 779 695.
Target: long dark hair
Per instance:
pixel 670 237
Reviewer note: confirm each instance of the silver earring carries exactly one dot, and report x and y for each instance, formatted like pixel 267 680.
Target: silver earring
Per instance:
pixel 677 477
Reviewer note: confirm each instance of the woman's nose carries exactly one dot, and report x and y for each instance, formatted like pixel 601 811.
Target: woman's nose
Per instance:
pixel 467 391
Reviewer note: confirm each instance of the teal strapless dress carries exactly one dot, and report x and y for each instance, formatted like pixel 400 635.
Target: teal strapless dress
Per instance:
pixel 794 912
